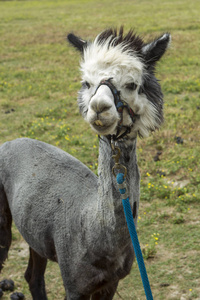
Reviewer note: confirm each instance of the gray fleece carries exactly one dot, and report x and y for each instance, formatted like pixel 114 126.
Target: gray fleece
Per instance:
pixel 68 214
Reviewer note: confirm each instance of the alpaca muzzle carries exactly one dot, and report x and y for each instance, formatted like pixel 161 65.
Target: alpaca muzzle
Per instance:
pixel 120 104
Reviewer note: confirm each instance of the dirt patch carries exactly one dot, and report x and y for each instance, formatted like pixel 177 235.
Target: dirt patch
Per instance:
pixel 22 250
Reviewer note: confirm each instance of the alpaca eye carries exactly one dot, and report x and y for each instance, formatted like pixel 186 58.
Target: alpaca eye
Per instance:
pixel 131 86
pixel 86 84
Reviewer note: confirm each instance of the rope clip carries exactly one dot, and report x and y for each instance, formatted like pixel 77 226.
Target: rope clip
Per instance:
pixel 116 158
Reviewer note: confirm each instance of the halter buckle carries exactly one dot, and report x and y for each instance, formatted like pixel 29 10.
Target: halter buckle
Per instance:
pixel 117 165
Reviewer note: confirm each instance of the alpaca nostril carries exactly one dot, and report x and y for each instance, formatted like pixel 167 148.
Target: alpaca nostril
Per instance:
pixel 100 107
pixel 105 108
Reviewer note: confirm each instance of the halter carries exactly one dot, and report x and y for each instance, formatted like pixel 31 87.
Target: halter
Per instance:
pixel 120 105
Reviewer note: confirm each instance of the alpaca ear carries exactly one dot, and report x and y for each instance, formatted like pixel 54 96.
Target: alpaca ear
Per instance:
pixel 77 42
pixel 154 51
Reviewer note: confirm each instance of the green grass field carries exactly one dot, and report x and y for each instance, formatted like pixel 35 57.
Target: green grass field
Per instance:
pixel 39 80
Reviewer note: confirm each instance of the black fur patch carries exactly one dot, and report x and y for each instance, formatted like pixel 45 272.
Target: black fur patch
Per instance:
pixel 152 89
pixel 129 41
pixel 77 42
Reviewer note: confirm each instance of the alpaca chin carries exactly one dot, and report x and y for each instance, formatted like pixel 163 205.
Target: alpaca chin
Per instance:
pixel 109 130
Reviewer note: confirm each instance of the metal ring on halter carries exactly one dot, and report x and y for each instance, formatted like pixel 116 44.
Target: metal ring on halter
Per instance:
pixel 121 167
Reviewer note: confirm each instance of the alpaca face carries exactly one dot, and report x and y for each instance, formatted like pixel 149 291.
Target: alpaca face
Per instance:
pixel 130 64
pixel 126 71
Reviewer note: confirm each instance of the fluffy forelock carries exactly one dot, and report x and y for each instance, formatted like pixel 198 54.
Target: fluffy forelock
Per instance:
pixel 128 42
pixel 115 48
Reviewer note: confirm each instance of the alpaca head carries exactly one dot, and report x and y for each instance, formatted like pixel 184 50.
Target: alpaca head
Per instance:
pixel 129 65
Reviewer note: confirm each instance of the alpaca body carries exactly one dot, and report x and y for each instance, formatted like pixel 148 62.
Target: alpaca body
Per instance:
pixel 48 184
pixel 65 212
pixel 33 170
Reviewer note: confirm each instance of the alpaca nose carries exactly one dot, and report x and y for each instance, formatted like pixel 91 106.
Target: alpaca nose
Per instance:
pixel 102 101
pixel 100 106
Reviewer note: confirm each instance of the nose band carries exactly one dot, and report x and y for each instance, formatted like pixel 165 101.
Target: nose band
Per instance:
pixel 120 105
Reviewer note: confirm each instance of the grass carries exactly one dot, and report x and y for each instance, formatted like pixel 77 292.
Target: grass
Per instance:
pixel 39 80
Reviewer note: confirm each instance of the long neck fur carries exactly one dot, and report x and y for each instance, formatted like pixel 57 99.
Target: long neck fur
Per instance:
pixel 109 207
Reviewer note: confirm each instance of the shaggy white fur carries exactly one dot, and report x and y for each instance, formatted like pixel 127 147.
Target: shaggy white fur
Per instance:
pixel 103 61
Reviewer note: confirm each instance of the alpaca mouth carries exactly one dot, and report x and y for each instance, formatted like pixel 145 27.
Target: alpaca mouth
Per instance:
pixel 98 123
pixel 103 129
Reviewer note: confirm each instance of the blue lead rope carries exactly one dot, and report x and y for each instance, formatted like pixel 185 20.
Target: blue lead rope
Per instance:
pixel 134 237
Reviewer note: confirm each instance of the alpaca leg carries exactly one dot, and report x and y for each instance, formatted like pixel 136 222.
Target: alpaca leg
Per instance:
pixel 5 227
pixel 34 275
pixel 28 272
pixel 106 294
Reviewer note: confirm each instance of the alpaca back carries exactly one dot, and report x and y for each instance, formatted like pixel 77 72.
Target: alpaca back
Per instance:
pixel 41 183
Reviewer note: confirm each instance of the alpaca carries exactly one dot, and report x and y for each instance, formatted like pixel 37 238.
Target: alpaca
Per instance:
pixel 62 209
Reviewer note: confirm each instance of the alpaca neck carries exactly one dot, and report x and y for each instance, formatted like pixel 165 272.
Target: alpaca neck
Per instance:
pixel 109 199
